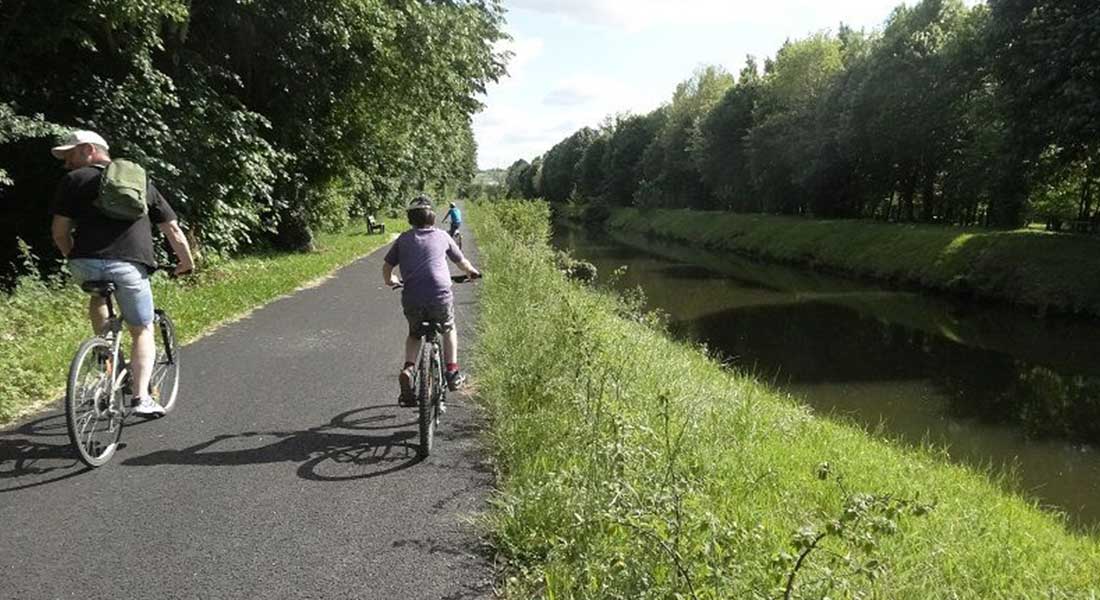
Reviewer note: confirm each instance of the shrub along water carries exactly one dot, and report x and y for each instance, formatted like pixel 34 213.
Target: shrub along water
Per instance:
pixel 1031 268
pixel 42 322
pixel 633 466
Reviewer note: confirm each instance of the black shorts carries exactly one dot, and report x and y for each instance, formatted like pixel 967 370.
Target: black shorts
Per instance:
pixel 440 313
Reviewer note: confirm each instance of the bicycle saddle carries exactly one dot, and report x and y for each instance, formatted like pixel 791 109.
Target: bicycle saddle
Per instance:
pixel 431 327
pixel 99 288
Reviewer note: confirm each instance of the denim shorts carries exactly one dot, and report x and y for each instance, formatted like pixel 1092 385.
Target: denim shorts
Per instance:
pixel 133 292
pixel 440 313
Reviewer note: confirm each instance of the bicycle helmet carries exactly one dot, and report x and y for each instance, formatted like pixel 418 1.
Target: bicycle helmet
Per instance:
pixel 452 205
pixel 421 201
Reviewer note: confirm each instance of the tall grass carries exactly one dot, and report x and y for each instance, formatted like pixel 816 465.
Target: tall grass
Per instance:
pixel 632 466
pixel 1032 268
pixel 41 323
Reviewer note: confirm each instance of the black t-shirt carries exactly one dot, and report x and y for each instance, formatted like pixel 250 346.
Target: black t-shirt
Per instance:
pixel 98 236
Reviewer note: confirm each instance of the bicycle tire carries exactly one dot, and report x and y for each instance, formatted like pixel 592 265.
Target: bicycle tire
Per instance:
pixel 425 398
pixel 458 239
pixel 101 411
pixel 164 383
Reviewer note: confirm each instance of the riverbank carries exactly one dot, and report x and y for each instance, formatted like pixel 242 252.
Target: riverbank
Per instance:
pixel 635 466
pixel 1040 270
pixel 41 325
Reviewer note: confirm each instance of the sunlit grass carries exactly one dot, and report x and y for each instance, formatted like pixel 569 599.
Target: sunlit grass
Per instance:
pixel 633 466
pixel 41 326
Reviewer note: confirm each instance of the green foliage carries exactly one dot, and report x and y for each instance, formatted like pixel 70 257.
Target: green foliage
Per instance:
pixel 520 180
pixel 259 119
pixel 559 173
pixel 629 138
pixel 950 113
pixel 668 167
pixel 631 466
pixel 719 148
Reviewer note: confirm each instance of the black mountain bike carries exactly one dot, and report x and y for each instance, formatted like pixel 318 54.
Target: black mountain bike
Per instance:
pixel 97 397
pixel 429 382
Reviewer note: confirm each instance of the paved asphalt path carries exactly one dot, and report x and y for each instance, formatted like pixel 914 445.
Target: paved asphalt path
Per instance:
pixel 287 470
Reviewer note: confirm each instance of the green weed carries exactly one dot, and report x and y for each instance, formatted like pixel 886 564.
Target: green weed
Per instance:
pixel 634 466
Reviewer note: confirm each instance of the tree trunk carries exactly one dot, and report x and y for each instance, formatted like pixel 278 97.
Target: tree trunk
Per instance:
pixel 928 196
pixel 909 190
pixel 1009 198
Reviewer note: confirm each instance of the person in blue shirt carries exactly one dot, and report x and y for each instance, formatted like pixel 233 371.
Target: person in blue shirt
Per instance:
pixel 455 216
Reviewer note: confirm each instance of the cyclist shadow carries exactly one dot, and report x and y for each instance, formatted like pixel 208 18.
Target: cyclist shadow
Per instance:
pixel 36 453
pixel 325 452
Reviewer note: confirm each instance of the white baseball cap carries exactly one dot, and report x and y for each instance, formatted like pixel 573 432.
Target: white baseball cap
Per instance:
pixel 76 138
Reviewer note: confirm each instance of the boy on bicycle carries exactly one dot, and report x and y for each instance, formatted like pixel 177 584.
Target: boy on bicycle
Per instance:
pixel 455 217
pixel 420 253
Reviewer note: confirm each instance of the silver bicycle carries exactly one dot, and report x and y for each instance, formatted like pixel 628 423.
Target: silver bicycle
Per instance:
pixel 97 397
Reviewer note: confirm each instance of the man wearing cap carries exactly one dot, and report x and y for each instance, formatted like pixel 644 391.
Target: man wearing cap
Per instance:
pixel 101 248
pixel 421 254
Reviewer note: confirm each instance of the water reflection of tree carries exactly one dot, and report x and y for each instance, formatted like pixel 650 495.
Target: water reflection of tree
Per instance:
pixel 1044 403
pixel 1049 403
pixel 817 342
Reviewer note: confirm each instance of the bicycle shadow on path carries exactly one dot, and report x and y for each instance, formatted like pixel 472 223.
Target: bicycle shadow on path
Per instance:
pixel 40 452
pixel 326 453
pixel 36 453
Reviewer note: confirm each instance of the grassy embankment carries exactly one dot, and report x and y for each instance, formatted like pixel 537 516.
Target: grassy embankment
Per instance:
pixel 40 326
pixel 1026 267
pixel 632 466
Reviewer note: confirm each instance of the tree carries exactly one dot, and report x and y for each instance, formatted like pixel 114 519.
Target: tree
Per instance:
pixel 630 135
pixel 718 148
pixel 670 167
pixel 786 138
pixel 559 165
pixel 261 116
pixel 1043 53
pixel 520 180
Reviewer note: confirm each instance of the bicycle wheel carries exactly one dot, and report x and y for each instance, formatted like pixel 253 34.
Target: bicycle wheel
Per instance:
pixel 425 395
pixel 458 239
pixel 92 412
pixel 164 384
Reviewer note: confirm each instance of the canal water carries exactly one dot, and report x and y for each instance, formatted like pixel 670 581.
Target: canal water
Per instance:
pixel 1000 389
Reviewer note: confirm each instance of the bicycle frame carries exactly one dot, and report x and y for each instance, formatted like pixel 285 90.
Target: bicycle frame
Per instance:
pixel 429 383
pixel 113 334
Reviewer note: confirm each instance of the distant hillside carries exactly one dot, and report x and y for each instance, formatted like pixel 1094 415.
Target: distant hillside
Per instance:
pixel 490 177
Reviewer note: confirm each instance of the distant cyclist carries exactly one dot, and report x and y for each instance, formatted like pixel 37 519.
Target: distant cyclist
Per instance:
pixel 421 255
pixel 455 217
pixel 102 247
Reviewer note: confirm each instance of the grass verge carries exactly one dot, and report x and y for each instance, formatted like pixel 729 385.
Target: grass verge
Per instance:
pixel 41 325
pixel 1044 270
pixel 632 466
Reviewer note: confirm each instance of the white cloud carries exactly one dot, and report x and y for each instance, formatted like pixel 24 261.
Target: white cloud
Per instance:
pixel 567 97
pixel 524 51
pixel 634 15
pixel 507 131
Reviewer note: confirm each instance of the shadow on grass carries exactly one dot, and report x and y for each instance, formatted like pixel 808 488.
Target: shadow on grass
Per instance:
pixel 36 453
pixel 324 452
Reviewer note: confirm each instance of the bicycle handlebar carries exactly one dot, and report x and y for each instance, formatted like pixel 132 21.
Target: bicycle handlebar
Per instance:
pixel 455 278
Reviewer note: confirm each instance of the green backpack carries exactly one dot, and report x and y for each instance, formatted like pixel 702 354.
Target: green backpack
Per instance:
pixel 122 191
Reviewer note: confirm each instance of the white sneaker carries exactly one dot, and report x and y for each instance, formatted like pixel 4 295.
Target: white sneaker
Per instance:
pixel 147 407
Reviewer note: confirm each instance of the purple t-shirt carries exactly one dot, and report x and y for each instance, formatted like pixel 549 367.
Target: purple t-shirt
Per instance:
pixel 419 254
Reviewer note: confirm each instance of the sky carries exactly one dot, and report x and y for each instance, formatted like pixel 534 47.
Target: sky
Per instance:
pixel 578 61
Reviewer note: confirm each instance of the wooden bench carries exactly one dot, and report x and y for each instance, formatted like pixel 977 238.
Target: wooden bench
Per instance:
pixel 373 226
